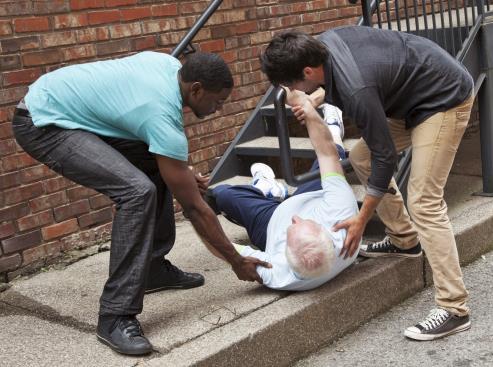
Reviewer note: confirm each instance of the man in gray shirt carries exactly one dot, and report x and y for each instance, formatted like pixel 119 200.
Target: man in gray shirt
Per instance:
pixel 401 91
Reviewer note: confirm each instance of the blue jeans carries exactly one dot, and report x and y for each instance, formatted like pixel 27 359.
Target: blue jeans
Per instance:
pixel 125 171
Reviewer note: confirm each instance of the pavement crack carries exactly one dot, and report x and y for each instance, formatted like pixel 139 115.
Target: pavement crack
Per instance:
pixel 22 305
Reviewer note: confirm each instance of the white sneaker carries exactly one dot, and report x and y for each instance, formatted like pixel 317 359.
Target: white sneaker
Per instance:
pixel 263 178
pixel 333 116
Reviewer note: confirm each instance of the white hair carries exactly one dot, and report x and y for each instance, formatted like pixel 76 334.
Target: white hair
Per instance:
pixel 310 255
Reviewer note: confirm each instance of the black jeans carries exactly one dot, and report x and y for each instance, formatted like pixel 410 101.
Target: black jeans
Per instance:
pixel 125 171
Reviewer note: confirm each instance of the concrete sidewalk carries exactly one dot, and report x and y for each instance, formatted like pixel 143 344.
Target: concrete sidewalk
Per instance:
pixel 49 319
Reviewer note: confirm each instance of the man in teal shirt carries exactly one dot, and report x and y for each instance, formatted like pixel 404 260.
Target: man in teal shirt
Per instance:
pixel 117 127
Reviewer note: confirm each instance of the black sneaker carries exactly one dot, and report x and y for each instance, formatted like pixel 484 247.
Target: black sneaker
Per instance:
pixel 123 334
pixel 164 275
pixel 438 323
pixel 385 248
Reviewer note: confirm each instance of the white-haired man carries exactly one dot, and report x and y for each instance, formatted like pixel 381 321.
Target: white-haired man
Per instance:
pixel 295 235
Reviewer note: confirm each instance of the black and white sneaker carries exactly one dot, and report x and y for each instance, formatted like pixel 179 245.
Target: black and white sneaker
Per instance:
pixel 385 248
pixel 438 323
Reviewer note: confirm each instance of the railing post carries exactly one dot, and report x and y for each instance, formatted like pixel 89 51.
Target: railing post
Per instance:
pixel 367 12
pixel 486 108
pixel 196 28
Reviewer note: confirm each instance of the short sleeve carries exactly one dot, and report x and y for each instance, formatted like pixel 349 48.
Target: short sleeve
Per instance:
pixel 165 137
pixel 265 273
pixel 339 195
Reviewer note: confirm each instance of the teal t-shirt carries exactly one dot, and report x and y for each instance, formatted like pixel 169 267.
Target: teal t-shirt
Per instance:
pixel 136 97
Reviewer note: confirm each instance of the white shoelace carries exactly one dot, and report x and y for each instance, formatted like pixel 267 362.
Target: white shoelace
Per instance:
pixel 383 243
pixel 435 318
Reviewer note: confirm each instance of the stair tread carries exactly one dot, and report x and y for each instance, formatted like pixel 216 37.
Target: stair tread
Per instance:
pixel 272 142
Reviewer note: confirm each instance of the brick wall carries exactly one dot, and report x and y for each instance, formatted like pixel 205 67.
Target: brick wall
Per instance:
pixel 43 215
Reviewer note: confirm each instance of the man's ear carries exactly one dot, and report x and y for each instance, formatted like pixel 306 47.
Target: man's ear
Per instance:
pixel 308 72
pixel 196 89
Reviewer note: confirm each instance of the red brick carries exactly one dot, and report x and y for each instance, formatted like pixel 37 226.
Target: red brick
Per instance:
pixel 35 221
pixel 12 95
pixel 7 147
pixel 8 263
pixel 48 201
pixel 9 180
pixel 247 27
pixel 79 52
pixel 115 3
pixel 223 31
pixel 196 7
pixel 113 47
pixel 19 43
pixel 22 241
pixel 86 4
pixel 98 217
pixel 43 252
pixel 13 212
pixel 34 24
pixel 80 192
pixel 10 62
pixel 17 161
pixel 6 130
pixel 23 193
pixel 36 173
pixel 50 6
pixel 143 43
pixel 104 16
pixel 6 113
pixel 56 184
pixel 156 26
pixel 99 201
pixel 229 56
pixel 5 28
pixel 15 8
pixel 58 39
pixel 70 20
pixel 60 229
pixel 135 13
pixel 125 30
pixel 212 46
pixel 93 34
pixel 21 76
pixel 71 210
pixel 42 57
pixel 6 230
pixel 164 10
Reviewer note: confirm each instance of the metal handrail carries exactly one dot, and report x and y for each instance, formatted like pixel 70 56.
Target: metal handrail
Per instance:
pixel 285 146
pixel 185 42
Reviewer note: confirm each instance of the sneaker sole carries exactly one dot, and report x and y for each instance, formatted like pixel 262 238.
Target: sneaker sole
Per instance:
pixel 385 254
pixel 119 350
pixel 181 286
pixel 428 337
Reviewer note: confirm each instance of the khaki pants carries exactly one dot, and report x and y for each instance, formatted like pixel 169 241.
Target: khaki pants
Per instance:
pixel 434 144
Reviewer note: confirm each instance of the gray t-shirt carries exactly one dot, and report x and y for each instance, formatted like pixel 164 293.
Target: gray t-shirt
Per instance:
pixel 334 203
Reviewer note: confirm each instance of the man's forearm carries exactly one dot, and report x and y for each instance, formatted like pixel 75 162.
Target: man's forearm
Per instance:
pixel 208 228
pixel 317 97
pixel 370 204
pixel 320 135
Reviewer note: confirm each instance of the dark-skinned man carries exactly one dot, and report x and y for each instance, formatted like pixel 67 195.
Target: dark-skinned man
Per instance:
pixel 116 126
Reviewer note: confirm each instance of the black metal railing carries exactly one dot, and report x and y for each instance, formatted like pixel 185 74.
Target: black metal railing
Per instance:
pixel 185 43
pixel 446 22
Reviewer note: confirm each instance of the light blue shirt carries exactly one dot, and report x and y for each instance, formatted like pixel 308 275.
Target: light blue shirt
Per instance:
pixel 334 203
pixel 136 97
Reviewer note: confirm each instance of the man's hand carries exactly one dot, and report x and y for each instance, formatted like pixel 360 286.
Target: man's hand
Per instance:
pixel 246 269
pixel 355 227
pixel 202 181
